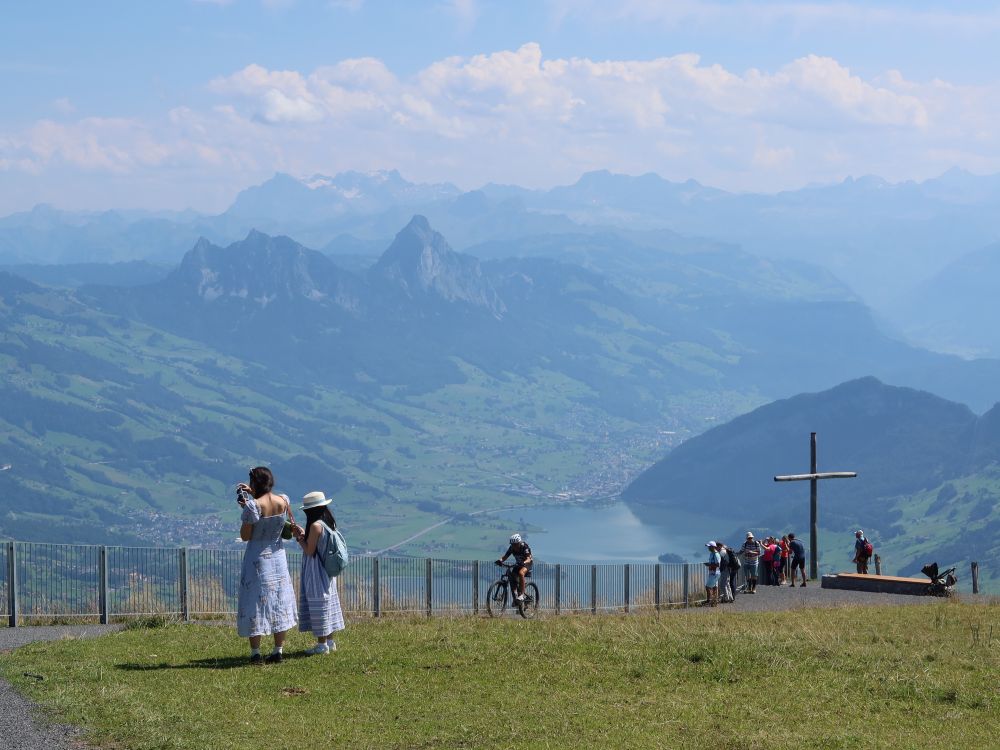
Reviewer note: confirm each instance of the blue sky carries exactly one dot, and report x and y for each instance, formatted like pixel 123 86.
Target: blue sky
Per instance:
pixel 179 103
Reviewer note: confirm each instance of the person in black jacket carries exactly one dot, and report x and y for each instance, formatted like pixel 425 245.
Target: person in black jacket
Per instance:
pixel 734 570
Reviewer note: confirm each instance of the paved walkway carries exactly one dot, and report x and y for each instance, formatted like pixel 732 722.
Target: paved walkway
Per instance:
pixel 18 727
pixel 772 598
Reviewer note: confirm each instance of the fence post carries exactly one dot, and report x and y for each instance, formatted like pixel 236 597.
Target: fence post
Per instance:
pixel 430 584
pixel 593 589
pixel 878 564
pixel 656 587
pixel 12 584
pixel 975 578
pixel 102 587
pixel 628 570
pixel 687 584
pixel 558 588
pixel 376 590
pixel 475 587
pixel 185 585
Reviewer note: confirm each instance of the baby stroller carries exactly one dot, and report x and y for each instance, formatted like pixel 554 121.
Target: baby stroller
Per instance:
pixel 942 583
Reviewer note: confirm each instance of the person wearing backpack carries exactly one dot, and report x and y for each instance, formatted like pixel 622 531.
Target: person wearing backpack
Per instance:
pixel 863 551
pixel 319 602
pixel 798 550
pixel 734 570
pixel 725 593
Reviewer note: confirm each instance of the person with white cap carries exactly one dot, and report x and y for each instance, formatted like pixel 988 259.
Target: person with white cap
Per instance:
pixel 751 553
pixel 862 551
pixel 712 578
pixel 319 603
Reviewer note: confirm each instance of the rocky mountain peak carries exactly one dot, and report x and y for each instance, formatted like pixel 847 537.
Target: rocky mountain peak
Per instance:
pixel 421 264
pixel 260 268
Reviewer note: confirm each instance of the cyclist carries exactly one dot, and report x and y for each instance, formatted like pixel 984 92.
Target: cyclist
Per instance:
pixel 522 557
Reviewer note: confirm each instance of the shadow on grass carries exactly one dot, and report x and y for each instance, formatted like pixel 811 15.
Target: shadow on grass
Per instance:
pixel 218 663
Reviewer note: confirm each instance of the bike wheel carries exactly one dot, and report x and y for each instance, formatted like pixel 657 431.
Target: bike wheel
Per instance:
pixel 529 607
pixel 496 599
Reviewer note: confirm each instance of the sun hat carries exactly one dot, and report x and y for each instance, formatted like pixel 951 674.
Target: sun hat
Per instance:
pixel 315 500
pixel 749 535
pixel 711 544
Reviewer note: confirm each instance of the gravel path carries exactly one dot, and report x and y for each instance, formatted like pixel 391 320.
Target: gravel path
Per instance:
pixel 772 598
pixel 18 727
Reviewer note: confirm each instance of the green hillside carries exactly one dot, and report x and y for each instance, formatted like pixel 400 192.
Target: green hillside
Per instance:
pixel 117 431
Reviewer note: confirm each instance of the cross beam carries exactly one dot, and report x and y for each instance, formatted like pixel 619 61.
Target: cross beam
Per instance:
pixel 813 478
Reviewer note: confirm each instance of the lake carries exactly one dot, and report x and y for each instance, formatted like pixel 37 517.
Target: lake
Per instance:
pixel 612 533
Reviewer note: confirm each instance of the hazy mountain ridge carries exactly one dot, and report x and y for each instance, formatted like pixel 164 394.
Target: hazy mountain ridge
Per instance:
pixel 882 238
pixel 958 308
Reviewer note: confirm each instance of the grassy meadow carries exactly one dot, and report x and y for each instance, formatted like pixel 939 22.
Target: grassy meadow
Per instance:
pixel 903 677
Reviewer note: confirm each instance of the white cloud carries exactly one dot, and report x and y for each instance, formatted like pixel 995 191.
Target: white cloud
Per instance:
pixel 517 116
pixel 63 106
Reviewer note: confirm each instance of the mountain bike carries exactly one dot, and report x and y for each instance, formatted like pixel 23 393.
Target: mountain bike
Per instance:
pixel 502 591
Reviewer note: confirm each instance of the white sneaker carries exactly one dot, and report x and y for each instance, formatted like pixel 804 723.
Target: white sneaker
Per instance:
pixel 331 646
pixel 319 648
pixel 519 597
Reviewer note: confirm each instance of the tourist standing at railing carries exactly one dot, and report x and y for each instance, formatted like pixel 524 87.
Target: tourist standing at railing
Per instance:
pixel 862 551
pixel 767 559
pixel 783 544
pixel 725 593
pixel 798 550
pixel 751 555
pixel 319 602
pixel 776 562
pixel 712 577
pixel 266 599
pixel 734 570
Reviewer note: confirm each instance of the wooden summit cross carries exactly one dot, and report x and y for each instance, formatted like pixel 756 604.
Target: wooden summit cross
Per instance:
pixel 813 476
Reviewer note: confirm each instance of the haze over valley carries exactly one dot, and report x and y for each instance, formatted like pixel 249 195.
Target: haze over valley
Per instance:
pixel 571 343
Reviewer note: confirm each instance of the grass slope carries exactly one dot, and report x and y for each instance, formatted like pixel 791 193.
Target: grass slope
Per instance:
pixel 909 677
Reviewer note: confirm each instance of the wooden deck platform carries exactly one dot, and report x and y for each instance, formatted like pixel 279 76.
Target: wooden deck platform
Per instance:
pixel 877 584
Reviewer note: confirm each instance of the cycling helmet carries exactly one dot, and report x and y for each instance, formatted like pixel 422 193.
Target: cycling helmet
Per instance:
pixel 515 539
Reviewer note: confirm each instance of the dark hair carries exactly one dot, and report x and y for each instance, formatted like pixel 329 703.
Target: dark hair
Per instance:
pixel 261 481
pixel 791 536
pixel 322 513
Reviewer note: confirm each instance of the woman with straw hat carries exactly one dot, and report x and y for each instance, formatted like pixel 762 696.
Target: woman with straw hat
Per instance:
pixel 319 603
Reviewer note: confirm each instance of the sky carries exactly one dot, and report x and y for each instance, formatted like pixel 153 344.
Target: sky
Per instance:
pixel 178 104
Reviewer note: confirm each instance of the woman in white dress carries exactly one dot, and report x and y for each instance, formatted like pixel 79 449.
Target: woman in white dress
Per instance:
pixel 319 603
pixel 266 598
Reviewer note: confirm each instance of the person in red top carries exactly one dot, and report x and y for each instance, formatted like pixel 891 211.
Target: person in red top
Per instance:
pixel 767 558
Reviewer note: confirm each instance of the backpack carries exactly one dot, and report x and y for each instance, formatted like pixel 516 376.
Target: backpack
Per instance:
pixel 334 557
pixel 868 548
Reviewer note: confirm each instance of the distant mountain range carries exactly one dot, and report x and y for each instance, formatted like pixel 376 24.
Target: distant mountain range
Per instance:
pixel 928 485
pixel 886 241
pixel 421 382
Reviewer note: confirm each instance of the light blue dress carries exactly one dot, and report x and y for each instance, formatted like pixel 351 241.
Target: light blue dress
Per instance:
pixel 266 599
pixel 712 579
pixel 319 602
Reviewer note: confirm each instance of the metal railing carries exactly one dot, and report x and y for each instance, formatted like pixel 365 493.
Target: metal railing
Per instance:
pixel 65 582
